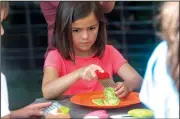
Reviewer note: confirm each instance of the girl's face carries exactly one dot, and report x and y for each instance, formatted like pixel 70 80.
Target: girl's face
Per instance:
pixel 84 34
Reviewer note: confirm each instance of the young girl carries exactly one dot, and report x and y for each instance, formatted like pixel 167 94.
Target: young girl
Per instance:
pixel 79 50
pixel 49 11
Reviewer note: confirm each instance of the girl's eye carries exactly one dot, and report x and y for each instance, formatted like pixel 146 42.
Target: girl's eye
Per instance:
pixel 92 28
pixel 75 30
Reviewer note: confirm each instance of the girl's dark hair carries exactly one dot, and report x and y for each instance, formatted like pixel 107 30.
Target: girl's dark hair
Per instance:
pixel 68 12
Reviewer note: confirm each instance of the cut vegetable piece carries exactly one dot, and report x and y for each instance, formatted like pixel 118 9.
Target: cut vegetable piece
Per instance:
pixel 109 93
pixel 64 110
pixel 99 101
pixel 112 101
pixel 141 113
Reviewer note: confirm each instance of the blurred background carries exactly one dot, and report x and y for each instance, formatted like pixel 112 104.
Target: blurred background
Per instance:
pixel 130 30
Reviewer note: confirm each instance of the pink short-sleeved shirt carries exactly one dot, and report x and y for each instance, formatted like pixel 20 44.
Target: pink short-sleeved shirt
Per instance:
pixel 111 61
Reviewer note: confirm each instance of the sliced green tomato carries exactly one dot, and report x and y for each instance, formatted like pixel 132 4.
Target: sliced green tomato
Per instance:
pixel 64 110
pixel 98 101
pixel 110 98
pixel 109 93
pixel 141 113
pixel 112 101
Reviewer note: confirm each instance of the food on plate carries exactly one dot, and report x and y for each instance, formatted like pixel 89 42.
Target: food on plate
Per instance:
pixel 99 102
pixel 110 98
pixel 109 93
pixel 141 113
pixel 111 101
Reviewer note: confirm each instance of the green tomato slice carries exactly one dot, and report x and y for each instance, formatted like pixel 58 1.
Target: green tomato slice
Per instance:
pixel 112 101
pixel 141 113
pixel 64 110
pixel 109 93
pixel 98 101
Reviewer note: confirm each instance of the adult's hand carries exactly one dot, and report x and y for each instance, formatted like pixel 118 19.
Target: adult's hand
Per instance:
pixel 108 6
pixel 32 110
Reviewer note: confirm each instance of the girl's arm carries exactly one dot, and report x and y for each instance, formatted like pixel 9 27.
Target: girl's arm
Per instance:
pixel 131 78
pixel 53 85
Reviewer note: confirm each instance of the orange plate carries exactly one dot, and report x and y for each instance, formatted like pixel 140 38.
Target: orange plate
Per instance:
pixel 86 99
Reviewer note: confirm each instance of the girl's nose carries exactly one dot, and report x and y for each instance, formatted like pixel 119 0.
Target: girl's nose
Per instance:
pixel 85 35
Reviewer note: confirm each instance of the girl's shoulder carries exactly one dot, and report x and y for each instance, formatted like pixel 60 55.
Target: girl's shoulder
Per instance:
pixel 54 53
pixel 110 50
pixel 109 47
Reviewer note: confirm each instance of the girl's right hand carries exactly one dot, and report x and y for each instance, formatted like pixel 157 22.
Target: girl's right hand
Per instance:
pixel 88 72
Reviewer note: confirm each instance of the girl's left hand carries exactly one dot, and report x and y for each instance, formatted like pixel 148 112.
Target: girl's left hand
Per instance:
pixel 121 90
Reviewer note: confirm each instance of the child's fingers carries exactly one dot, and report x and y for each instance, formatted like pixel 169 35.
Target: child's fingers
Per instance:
pixel 123 94
pixel 86 74
pixel 89 74
pixel 86 78
pixel 93 74
pixel 96 67
pixel 118 85
pixel 120 91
